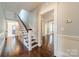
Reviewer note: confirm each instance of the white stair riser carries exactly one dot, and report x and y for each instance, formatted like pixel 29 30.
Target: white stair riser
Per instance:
pixel 28 36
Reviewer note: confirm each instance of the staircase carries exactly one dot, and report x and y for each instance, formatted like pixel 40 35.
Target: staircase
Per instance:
pixel 27 35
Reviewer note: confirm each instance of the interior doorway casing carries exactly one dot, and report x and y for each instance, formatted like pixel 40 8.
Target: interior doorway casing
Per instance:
pixel 55 26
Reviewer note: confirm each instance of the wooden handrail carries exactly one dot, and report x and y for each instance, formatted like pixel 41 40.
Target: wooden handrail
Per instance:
pixel 23 24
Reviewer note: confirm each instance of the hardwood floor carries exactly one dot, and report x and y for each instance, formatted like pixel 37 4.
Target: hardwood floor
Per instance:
pixel 21 51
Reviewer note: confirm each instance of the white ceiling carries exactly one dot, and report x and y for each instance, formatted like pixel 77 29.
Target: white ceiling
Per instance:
pixel 11 8
pixel 17 6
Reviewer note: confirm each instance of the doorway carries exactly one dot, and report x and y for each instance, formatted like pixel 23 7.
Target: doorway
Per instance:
pixel 10 44
pixel 48 30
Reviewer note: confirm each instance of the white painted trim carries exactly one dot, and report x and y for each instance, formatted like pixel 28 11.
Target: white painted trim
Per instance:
pixel 61 53
pixel 69 36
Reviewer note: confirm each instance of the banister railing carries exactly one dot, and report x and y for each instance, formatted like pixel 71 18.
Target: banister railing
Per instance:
pixel 23 23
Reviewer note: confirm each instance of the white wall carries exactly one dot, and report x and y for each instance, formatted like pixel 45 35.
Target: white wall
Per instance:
pixel 24 15
pixel 2 28
pixel 33 22
pixel 69 40
pixel 2 19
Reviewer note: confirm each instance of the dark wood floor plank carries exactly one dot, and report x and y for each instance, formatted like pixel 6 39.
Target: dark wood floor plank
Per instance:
pixel 43 51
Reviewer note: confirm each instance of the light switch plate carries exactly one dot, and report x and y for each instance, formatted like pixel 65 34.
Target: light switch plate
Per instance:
pixel 68 21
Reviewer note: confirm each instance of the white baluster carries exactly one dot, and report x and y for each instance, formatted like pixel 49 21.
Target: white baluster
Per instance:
pixel 29 39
